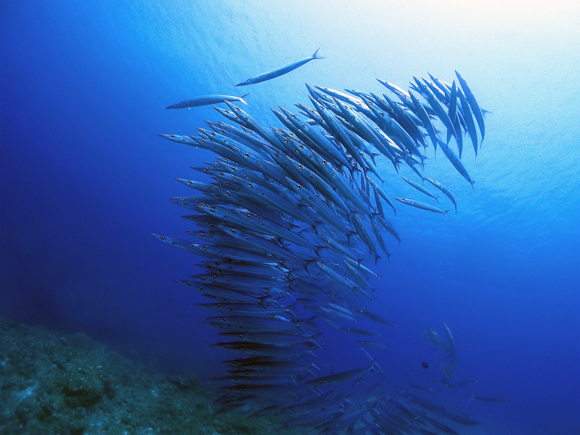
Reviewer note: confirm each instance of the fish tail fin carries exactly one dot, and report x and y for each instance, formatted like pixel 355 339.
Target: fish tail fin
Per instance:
pixel 472 398
pixel 315 343
pixel 472 186
pixel 377 257
pixel 307 263
pixel 315 55
pixel 445 212
pixel 350 233
pixel 437 198
pixel 242 98
pixel 362 349
pixel 262 299
pixel 318 248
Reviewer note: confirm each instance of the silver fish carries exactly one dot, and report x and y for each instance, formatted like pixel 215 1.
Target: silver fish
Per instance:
pixel 280 71
pixel 207 100
pixel 421 205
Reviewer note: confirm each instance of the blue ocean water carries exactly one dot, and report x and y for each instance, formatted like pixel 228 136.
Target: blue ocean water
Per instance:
pixel 84 179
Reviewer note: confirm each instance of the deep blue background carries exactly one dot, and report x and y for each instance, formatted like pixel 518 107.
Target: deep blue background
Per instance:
pixel 84 179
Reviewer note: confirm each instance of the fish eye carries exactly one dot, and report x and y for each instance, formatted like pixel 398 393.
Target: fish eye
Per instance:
pixel 299 166
pixel 217 263
pixel 242 349
pixel 204 246
pixel 299 186
pixel 188 283
pixel 171 135
pixel 248 155
pixel 228 192
pixel 203 141
pixel 249 216
pixel 234 230
pixel 324 162
pixel 250 184
pixel 162 237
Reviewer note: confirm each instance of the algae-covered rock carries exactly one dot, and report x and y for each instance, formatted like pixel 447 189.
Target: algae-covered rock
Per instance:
pixel 52 383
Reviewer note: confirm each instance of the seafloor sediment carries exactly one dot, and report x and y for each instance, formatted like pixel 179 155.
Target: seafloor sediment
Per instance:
pixel 53 383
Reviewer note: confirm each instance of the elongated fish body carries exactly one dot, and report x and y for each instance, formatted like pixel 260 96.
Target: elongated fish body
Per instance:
pixel 402 94
pixel 453 103
pixel 468 119
pixel 387 225
pixel 250 123
pixel 421 205
pixel 206 100
pixel 456 162
pixel 422 114
pixel 451 341
pixel 440 426
pixel 475 109
pixel 280 71
pixel 420 188
pixel 446 371
pixel 340 95
pixel 443 189
pixel 435 104
pixel 212 251
pixel 461 419
pixel 382 194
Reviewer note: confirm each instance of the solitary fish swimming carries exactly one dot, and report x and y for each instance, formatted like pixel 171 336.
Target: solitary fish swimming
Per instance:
pixel 206 100
pixel 421 205
pixel 280 71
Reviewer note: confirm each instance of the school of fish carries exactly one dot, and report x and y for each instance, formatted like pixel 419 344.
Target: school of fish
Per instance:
pixel 291 225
